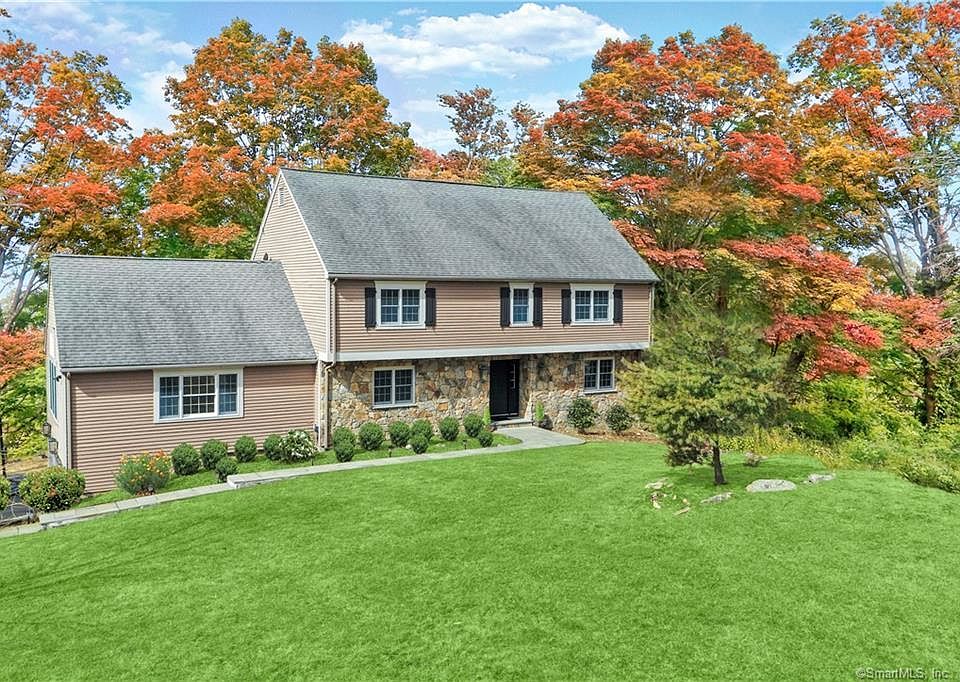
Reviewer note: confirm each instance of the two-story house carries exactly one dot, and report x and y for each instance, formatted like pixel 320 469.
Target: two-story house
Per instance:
pixel 367 298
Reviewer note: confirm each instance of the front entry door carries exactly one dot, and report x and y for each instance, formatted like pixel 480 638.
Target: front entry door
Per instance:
pixel 504 389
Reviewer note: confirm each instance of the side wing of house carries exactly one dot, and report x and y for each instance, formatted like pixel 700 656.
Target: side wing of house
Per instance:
pixel 284 237
pixel 149 353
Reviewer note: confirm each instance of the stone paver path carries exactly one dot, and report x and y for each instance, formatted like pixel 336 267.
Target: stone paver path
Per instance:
pixel 531 437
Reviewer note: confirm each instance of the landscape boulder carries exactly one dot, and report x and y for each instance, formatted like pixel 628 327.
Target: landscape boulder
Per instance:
pixel 770 485
pixel 820 478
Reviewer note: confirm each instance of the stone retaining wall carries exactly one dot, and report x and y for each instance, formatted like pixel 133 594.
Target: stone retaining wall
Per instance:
pixel 458 386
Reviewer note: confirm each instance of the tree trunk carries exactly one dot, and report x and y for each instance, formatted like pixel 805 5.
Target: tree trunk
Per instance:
pixel 3 452
pixel 929 415
pixel 718 478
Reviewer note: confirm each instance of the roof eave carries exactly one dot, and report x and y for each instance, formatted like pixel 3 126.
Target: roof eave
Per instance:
pixel 512 278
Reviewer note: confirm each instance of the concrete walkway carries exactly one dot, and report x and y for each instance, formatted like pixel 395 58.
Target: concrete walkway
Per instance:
pixel 530 436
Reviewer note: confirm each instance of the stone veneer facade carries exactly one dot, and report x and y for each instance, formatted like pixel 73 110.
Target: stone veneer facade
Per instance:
pixel 458 386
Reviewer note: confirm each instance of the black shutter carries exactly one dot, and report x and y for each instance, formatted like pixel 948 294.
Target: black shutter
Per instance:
pixel 504 306
pixel 537 307
pixel 565 306
pixel 618 305
pixel 431 317
pixel 370 307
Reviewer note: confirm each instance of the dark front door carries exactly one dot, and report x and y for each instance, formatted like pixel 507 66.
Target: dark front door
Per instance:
pixel 504 389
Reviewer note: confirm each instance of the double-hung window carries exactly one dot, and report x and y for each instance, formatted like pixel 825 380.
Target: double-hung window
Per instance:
pixel 196 395
pixel 592 306
pixel 400 304
pixel 521 304
pixel 393 386
pixel 598 375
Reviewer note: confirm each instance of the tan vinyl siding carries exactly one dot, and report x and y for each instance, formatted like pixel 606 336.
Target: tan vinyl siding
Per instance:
pixel 113 415
pixel 468 316
pixel 284 238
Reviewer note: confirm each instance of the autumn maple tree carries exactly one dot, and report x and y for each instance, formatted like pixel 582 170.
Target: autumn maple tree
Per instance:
pixel 811 296
pixel 247 104
pixel 882 110
pixel 61 164
pixel 19 352
pixel 687 144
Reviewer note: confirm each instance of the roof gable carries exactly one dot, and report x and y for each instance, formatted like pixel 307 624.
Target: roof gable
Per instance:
pixel 370 226
pixel 114 312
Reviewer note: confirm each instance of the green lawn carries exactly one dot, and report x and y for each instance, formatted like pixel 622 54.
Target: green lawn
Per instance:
pixel 325 457
pixel 535 564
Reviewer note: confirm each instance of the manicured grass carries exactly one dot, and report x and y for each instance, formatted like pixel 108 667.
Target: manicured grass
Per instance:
pixel 326 457
pixel 535 564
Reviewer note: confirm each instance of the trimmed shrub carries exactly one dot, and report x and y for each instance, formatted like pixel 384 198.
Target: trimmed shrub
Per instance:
pixel 449 428
pixel 212 452
pixel 422 427
pixel 227 467
pixel 399 434
pixel 185 459
pixel 4 493
pixel 486 438
pixel 245 449
pixel 273 447
pixel 344 444
pixel 298 446
pixel 144 474
pixel 371 436
pixel 581 414
pixel 618 419
pixel 419 443
pixel 473 424
pixel 52 489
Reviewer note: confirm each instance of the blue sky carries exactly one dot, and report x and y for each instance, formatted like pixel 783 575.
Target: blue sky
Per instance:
pixel 536 52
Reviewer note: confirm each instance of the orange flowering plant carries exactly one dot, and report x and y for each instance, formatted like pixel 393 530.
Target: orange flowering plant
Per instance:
pixel 144 474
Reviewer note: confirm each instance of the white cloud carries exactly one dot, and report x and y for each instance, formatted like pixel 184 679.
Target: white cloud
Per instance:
pixel 546 102
pixel 410 11
pixel 149 109
pixel 421 106
pixel 528 38
pixel 132 40
pixel 68 22
pixel 439 139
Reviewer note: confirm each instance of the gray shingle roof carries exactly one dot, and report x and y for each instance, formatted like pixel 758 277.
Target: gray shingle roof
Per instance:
pixel 150 312
pixel 376 226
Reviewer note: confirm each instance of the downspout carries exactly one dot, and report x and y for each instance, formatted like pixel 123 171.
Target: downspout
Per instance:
pixel 67 459
pixel 331 354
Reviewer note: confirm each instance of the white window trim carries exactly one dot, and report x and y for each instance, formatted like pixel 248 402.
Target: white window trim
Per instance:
pixel 613 376
pixel 393 387
pixel 197 371
pixel 401 285
pixel 529 288
pixel 574 288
